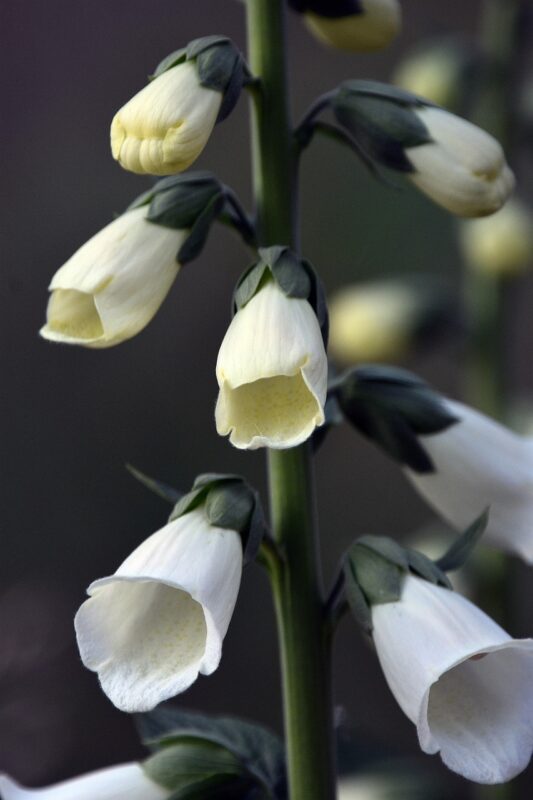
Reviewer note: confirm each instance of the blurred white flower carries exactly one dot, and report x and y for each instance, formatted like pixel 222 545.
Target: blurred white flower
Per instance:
pixel 501 245
pixel 433 72
pixel 122 782
pixel 463 168
pixel 166 125
pixel 111 287
pixel 373 321
pixel 375 27
pixel 478 464
pixel 462 680
pixel 272 372
pixel 159 621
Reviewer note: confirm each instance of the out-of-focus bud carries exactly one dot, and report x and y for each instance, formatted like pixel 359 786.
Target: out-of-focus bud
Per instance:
pixel 112 287
pixel 434 71
pixel 272 365
pixel 166 125
pixel 459 166
pixel 501 245
pixel 353 25
pixel 381 320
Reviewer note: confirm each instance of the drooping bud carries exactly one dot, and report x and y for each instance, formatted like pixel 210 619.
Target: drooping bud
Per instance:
pixel 455 163
pixel 164 128
pixel 272 365
pixel 352 25
pixel 112 287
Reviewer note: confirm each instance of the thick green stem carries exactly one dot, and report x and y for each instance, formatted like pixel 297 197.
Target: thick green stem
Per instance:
pixel 295 578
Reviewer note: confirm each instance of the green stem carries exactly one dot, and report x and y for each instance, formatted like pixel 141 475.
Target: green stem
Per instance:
pixel 295 578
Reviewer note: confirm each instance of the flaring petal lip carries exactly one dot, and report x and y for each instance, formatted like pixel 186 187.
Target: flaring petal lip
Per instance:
pixel 154 626
pixel 121 782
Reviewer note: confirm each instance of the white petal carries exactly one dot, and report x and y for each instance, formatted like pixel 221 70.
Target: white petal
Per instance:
pixel 374 28
pixel 479 463
pixel 476 716
pixel 166 125
pixel 123 782
pixel 151 628
pixel 463 169
pixel 272 373
pixel 114 284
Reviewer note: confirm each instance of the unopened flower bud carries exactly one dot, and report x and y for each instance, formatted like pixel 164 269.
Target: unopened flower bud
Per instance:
pixel 353 25
pixel 501 245
pixel 458 165
pixel 163 129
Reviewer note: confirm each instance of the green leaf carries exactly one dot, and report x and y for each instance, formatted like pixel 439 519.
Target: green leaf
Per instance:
pixel 393 408
pixel 463 546
pixel 259 751
pixel 163 490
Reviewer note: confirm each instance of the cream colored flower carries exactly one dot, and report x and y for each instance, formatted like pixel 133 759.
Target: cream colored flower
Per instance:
pixel 463 168
pixel 501 245
pixel 478 464
pixel 160 620
pixel 166 125
pixel 111 287
pixel 272 373
pixel 433 73
pixel 372 321
pixel 373 29
pixel 121 782
pixel 462 680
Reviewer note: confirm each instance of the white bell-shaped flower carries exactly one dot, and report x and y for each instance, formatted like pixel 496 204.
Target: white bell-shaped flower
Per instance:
pixel 111 287
pixel 272 372
pixel 377 24
pixel 501 245
pixel 478 464
pixel 160 620
pixel 166 125
pixel 122 782
pixel 463 168
pixel 462 680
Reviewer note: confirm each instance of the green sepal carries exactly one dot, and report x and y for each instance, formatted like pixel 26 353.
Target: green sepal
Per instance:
pixel 220 66
pixel 379 579
pixel 382 121
pixel 231 503
pixel 357 601
pixel 460 550
pixel 393 407
pixel 424 567
pixel 295 277
pixel 161 489
pixel 259 753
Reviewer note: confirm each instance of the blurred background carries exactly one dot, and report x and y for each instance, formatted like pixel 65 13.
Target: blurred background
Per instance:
pixel 72 417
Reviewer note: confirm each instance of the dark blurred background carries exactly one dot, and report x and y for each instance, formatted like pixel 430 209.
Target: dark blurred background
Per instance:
pixel 73 417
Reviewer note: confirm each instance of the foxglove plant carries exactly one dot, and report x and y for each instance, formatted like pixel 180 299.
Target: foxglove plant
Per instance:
pixel 151 628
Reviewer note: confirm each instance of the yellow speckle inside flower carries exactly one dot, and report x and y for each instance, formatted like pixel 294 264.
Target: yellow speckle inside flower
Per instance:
pixel 74 314
pixel 275 408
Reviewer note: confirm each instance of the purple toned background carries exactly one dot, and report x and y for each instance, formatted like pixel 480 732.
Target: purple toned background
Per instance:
pixel 72 417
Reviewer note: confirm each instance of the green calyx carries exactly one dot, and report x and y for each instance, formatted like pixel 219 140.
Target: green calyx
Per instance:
pixel 220 67
pixel 190 201
pixel 393 408
pixel 375 567
pixel 382 120
pixel 229 502
pixel 295 277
